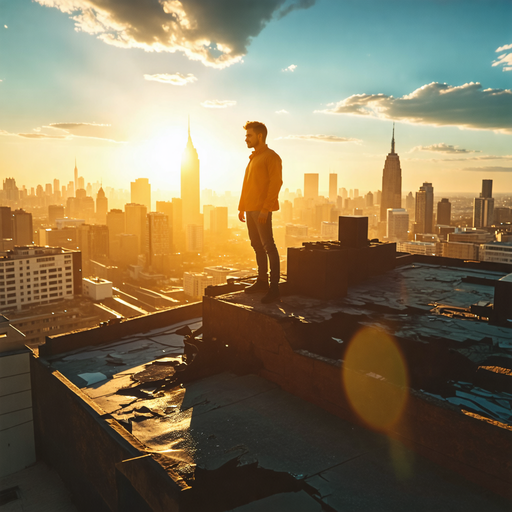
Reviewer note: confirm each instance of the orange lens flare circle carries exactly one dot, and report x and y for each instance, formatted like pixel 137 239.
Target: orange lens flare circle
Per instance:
pixel 375 378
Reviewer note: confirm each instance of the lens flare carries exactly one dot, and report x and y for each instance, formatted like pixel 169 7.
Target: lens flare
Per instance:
pixel 375 378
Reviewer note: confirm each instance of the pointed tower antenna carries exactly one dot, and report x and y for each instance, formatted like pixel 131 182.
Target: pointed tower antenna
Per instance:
pixel 189 126
pixel 393 141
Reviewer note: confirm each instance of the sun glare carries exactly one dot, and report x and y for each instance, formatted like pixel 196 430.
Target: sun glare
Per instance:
pixel 375 378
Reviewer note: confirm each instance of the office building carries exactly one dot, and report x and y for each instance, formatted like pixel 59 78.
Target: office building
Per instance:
pixel 158 244
pixel 5 223
pixel 135 218
pixel 34 275
pixel 483 206
pixel 333 187
pixel 397 225
pixel 497 252
pixel 22 230
pixel 219 222
pixel 140 192
pixel 101 207
pixel 444 212
pixel 424 212
pixel 311 186
pixel 55 211
pixel 195 283
pixel 391 182
pixel 194 238
pixel 190 193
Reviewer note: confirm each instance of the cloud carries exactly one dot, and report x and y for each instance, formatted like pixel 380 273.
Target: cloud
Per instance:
pixel 40 136
pixel 215 32
pixel 319 138
pixel 282 111
pixel 218 103
pixel 291 68
pixel 465 106
pixel 86 131
pixel 488 169
pixel 73 126
pixel 443 148
pixel 504 60
pixel 176 79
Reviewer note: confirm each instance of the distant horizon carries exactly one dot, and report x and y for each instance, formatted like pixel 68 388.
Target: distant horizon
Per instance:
pixel 333 80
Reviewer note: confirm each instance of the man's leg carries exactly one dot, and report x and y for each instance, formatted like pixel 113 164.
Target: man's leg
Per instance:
pixel 267 240
pixel 261 255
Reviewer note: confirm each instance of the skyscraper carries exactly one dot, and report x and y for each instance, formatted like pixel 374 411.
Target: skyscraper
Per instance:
pixel 136 222
pixel 397 224
pixel 190 194
pixel 23 232
pixel 140 192
pixel 311 185
pixel 444 212
pixel 76 176
pixel 483 206
pixel 101 207
pixel 424 214
pixel 158 244
pixel 391 182
pixel 333 187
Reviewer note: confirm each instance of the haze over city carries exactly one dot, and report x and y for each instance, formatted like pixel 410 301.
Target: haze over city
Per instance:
pixel 114 88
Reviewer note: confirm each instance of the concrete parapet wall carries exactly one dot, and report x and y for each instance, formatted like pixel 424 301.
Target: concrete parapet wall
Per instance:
pixel 105 334
pixel 477 448
pixel 94 455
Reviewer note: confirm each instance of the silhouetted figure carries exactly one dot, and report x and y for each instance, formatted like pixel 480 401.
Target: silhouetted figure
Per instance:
pixel 259 198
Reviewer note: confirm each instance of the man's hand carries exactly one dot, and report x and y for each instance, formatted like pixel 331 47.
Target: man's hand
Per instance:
pixel 262 219
pixel 241 216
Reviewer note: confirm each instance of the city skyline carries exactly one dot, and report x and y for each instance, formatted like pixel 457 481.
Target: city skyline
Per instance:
pixel 328 78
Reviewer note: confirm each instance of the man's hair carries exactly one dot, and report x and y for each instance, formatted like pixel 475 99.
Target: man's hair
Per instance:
pixel 257 127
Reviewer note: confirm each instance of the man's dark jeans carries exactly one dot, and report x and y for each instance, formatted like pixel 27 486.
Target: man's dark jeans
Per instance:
pixel 262 242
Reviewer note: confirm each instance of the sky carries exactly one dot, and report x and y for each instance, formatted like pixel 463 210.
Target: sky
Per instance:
pixel 112 84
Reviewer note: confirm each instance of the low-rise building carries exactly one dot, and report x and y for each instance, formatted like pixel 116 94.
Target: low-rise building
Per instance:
pixel 498 252
pixel 31 275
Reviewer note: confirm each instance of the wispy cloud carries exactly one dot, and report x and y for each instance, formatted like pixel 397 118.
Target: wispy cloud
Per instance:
pixel 67 131
pixel 291 68
pixel 465 106
pixel 443 148
pixel 488 169
pixel 504 60
pixel 319 138
pixel 216 32
pixel 73 126
pixel 282 111
pixel 40 136
pixel 176 79
pixel 218 103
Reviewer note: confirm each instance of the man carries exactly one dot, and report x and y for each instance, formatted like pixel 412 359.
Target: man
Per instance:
pixel 262 182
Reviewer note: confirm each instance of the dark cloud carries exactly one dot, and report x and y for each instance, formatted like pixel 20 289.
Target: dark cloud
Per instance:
pixel 466 106
pixel 488 169
pixel 216 32
pixel 444 148
pixel 319 138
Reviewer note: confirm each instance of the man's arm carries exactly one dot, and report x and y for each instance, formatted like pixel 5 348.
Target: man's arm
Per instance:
pixel 275 178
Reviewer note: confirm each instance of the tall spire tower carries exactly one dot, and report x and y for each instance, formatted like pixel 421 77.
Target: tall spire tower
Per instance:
pixel 391 182
pixel 190 194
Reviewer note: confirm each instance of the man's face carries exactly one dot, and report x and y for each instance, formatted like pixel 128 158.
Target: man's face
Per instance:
pixel 251 138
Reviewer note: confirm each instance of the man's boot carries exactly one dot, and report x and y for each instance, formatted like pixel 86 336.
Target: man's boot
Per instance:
pixel 272 295
pixel 259 286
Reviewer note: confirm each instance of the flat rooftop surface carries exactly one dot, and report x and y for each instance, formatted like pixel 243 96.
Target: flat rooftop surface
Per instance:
pixel 37 489
pixel 255 446
pixel 406 303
